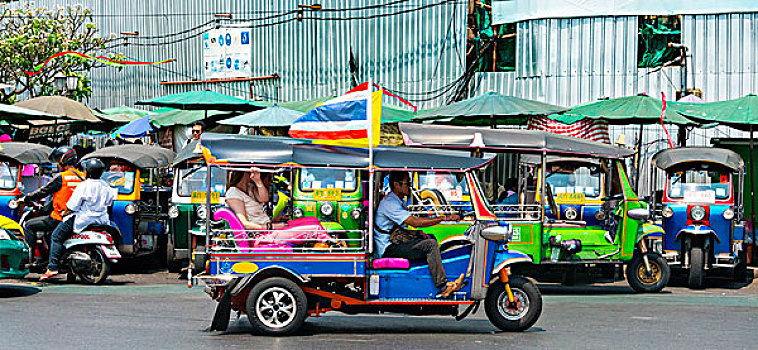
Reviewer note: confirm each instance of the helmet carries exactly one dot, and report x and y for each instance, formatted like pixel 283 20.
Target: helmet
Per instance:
pixel 64 156
pixel 93 167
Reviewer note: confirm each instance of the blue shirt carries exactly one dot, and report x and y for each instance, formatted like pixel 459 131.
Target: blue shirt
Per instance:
pixel 390 213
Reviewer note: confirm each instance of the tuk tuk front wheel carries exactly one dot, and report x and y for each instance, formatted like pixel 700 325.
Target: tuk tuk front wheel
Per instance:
pixel 526 311
pixel 740 269
pixel 276 306
pixel 643 281
pixel 696 276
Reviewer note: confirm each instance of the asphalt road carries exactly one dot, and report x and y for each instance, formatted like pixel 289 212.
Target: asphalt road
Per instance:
pixel 155 310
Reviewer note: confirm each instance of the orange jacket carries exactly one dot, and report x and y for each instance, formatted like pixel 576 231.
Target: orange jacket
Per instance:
pixel 71 178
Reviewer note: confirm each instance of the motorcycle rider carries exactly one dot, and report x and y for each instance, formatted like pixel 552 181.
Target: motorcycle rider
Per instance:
pixel 87 206
pixel 60 187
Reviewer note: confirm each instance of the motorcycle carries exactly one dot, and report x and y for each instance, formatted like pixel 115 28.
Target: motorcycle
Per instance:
pixel 87 254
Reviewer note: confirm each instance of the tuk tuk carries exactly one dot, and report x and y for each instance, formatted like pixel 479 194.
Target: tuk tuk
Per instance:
pixel 701 211
pixel 187 211
pixel 306 270
pixel 19 173
pixel 14 253
pixel 600 224
pixel 140 211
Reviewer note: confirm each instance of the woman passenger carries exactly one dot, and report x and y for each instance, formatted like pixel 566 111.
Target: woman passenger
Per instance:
pixel 245 194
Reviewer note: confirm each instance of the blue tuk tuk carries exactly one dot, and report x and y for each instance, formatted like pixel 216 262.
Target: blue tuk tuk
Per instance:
pixel 16 158
pixel 279 282
pixel 139 173
pixel 701 211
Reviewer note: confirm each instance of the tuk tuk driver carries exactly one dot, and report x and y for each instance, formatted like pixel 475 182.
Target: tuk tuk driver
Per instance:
pixel 392 215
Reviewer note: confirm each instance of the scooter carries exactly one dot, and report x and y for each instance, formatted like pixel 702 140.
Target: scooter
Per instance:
pixel 87 254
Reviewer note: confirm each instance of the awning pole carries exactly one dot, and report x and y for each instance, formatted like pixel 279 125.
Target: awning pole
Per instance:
pixel 752 185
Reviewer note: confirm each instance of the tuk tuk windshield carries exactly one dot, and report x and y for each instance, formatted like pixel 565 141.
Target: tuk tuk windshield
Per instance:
pixel 699 184
pixel 574 178
pixel 122 181
pixel 452 186
pixel 8 176
pixel 193 180
pixel 320 178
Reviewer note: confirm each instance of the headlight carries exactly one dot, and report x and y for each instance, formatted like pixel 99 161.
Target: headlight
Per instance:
pixel 600 215
pixel 571 213
pixel 728 214
pixel 173 212
pixel 327 209
pixel 667 212
pixel 297 212
pixel 201 212
pixel 130 208
pixel 356 214
pixel 697 213
pixel 12 204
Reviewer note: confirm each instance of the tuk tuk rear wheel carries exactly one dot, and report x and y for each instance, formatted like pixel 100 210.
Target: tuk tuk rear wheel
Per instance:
pixel 276 306
pixel 640 280
pixel 172 263
pixel 696 276
pixel 527 311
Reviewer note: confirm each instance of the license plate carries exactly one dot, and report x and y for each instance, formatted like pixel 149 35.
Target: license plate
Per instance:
pixel 570 198
pixel 146 242
pixel 327 194
pixel 110 251
pixel 200 197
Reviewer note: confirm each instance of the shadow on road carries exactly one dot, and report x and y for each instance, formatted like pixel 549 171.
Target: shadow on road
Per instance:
pixel 558 289
pixel 375 324
pixel 680 280
pixel 9 291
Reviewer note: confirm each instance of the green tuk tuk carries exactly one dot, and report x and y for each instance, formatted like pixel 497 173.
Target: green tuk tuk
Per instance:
pixel 559 238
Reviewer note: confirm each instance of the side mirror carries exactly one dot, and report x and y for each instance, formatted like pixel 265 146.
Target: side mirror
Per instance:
pixel 497 233
pixel 638 214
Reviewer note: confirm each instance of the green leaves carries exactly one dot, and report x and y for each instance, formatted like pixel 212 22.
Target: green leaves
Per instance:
pixel 31 35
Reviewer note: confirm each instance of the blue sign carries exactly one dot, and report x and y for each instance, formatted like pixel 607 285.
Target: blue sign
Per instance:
pixel 220 40
pixel 229 62
pixel 245 38
pixel 228 39
pixel 236 64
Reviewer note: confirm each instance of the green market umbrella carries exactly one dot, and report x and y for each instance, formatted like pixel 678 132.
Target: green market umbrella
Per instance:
pixel 181 117
pixel 272 116
pixel 740 113
pixel 640 109
pixel 202 100
pixel 490 109
pixel 121 114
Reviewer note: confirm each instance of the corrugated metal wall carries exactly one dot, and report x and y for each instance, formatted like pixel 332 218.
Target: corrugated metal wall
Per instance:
pixel 413 52
pixel 572 61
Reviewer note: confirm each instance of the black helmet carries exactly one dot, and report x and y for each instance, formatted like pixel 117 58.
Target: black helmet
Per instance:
pixel 64 156
pixel 93 167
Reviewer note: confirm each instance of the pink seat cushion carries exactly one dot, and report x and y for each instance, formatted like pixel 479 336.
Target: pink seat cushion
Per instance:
pixel 273 248
pixel 391 263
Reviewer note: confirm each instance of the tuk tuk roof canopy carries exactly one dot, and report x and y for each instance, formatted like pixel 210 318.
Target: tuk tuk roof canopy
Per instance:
pixel 25 153
pixel 669 158
pixel 255 150
pixel 141 156
pixel 509 140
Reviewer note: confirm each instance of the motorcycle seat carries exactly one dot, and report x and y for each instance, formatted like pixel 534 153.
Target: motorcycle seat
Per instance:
pixel 390 264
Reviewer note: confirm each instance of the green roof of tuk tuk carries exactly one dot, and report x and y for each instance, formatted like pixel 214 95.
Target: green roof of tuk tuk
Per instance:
pixel 141 156
pixel 242 149
pixel 670 158
pixel 24 152
pixel 506 140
